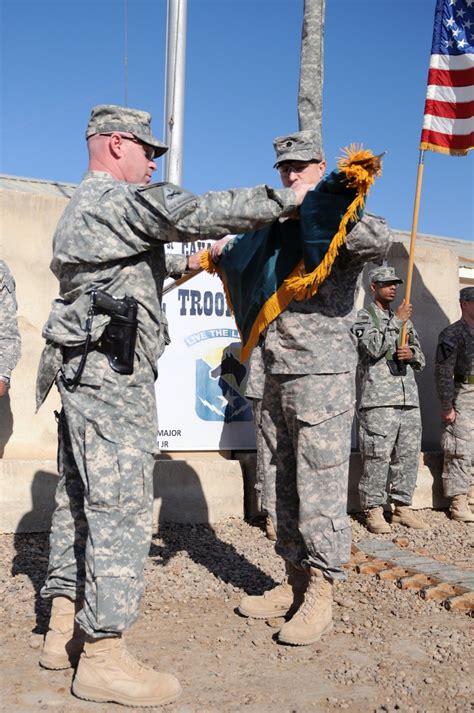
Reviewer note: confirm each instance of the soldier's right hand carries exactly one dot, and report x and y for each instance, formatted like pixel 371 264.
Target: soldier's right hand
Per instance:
pixel 404 311
pixel 3 388
pixel 301 190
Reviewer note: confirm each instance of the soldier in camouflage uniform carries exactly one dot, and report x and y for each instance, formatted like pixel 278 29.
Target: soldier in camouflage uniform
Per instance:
pixel 111 238
pixel 310 357
pixel 10 343
pixel 389 409
pixel 454 376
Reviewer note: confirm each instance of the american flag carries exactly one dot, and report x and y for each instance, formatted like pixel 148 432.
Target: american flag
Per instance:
pixel 448 124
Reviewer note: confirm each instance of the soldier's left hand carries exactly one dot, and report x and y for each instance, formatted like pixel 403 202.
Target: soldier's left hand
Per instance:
pixel 217 248
pixel 404 353
pixel 3 388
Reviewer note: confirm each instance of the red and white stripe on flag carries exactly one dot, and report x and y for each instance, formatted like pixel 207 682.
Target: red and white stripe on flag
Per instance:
pixel 448 123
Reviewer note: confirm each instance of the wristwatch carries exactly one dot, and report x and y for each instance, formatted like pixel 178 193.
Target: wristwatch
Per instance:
pixel 5 379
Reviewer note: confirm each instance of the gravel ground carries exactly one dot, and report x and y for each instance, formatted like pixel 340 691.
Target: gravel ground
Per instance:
pixel 389 650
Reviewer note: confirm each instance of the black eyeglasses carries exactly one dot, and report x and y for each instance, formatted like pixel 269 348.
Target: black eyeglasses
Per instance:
pixel 148 150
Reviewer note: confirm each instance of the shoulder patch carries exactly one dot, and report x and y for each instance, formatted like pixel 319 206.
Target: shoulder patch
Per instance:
pixel 444 351
pixel 167 198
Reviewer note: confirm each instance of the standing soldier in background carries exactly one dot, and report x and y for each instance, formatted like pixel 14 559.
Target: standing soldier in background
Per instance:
pixel 104 336
pixel 10 343
pixel 454 376
pixel 389 409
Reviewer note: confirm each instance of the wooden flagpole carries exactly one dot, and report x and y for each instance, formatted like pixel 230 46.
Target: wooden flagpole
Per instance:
pixel 414 227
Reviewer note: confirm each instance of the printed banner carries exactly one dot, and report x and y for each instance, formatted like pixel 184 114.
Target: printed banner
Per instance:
pixel 201 382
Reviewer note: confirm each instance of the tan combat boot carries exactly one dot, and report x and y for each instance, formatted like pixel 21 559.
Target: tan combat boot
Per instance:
pixel 283 599
pixel 107 673
pixel 64 640
pixel 270 529
pixel 404 515
pixel 314 617
pixel 375 521
pixel 460 509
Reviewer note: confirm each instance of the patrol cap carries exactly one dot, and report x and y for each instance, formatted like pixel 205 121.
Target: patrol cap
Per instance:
pixel 300 146
pixel 466 294
pixel 385 273
pixel 107 118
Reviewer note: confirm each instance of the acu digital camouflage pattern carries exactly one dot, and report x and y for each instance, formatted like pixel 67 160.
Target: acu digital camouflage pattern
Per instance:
pixel 254 391
pixel 389 414
pixel 390 443
pixel 111 236
pixel 109 118
pixel 310 356
pixel 378 386
pixel 10 343
pixel 455 356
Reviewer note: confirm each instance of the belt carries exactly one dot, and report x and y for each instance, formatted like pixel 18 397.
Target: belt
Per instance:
pixel 71 352
pixel 464 378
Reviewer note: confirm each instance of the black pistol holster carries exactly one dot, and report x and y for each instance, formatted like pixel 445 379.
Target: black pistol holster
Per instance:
pixel 118 338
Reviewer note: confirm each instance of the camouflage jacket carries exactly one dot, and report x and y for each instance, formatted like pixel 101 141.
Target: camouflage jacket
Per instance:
pixel 314 336
pixel 454 355
pixel 10 343
pixel 378 386
pixel 111 237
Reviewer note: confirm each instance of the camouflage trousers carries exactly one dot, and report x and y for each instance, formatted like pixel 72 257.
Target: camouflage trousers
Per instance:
pixel 101 527
pixel 458 444
pixel 390 443
pixel 306 425
pixel 260 445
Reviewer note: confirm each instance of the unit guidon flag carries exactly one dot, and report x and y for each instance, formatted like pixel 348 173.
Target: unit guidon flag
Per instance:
pixel 263 271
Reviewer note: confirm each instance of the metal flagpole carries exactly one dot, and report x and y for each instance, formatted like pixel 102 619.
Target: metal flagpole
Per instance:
pixel 174 95
pixel 414 227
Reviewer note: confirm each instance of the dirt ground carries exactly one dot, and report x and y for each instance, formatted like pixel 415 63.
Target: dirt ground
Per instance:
pixel 389 650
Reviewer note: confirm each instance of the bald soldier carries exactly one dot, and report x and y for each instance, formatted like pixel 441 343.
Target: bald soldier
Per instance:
pixel 389 408
pixel 454 376
pixel 104 336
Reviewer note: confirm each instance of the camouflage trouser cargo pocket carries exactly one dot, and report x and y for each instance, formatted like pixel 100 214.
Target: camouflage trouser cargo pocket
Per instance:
pixel 117 595
pixel 114 472
pixel 328 545
pixel 373 438
pixel 457 468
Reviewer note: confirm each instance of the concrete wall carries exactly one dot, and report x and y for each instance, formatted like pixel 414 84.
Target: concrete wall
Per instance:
pixel 185 488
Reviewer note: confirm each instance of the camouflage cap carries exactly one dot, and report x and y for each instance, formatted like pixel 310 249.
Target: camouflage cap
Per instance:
pixel 107 118
pixel 300 146
pixel 466 294
pixel 385 273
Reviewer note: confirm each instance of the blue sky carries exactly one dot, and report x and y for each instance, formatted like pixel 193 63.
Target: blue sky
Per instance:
pixel 59 58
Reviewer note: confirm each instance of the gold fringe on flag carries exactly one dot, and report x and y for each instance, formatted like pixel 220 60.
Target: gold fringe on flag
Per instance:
pixel 360 167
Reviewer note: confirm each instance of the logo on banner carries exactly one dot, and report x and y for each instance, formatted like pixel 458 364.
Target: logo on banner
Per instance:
pixel 220 378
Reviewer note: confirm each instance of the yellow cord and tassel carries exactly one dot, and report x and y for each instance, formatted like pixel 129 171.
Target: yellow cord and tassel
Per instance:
pixel 360 167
